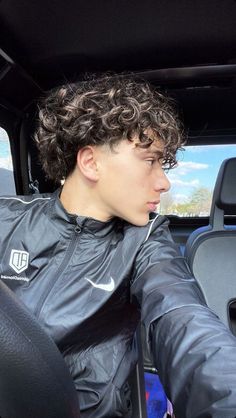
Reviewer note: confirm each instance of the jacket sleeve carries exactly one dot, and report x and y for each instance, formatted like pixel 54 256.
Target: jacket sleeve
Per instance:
pixel 194 353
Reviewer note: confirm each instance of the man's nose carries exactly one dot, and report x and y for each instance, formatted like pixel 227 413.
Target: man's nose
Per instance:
pixel 162 182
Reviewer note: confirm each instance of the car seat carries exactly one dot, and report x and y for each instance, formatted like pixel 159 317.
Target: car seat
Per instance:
pixel 211 250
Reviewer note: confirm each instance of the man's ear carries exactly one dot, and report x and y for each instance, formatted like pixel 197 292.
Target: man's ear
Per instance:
pixel 87 164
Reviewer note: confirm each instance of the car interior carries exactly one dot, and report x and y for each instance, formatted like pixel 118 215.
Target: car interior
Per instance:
pixel 187 49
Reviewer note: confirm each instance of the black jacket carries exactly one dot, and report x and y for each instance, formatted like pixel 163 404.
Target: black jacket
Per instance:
pixel 88 282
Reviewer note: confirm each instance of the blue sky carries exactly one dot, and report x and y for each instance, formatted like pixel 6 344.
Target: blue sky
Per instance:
pixel 5 154
pixel 4 149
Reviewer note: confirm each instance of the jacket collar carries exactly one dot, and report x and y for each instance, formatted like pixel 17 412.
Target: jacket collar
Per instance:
pixel 67 221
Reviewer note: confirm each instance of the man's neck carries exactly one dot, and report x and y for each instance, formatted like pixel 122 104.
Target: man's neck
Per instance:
pixel 78 199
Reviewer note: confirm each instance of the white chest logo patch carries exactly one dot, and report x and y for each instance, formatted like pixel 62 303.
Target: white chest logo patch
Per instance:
pixel 19 260
pixel 108 287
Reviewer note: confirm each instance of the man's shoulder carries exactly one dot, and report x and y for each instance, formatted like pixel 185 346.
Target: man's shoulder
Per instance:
pixel 19 203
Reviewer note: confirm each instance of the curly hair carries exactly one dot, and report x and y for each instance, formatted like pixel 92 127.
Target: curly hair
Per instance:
pixel 103 111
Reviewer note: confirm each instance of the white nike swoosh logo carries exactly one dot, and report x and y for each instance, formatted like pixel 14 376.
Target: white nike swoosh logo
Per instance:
pixel 109 287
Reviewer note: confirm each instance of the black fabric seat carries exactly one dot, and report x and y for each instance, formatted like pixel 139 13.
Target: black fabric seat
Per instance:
pixel 34 380
pixel 211 250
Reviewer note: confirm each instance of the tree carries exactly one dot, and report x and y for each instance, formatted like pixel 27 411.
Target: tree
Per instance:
pixel 200 201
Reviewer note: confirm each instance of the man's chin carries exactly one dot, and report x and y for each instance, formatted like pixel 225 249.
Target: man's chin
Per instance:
pixel 139 221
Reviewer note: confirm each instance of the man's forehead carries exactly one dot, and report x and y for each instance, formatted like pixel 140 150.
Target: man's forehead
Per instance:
pixel 156 146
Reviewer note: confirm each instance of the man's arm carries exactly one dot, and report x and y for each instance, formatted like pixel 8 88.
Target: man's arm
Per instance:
pixel 195 354
pixel 196 359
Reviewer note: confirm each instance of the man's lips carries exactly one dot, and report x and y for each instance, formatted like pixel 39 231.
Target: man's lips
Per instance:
pixel 153 205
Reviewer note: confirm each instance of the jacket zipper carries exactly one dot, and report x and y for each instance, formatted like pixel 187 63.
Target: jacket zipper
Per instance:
pixel 60 270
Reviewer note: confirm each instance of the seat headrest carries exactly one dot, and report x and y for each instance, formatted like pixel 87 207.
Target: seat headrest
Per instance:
pixel 225 189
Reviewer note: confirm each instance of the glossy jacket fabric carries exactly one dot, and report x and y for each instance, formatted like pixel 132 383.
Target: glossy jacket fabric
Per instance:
pixel 88 282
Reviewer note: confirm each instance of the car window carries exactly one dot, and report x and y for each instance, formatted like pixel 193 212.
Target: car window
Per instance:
pixel 193 180
pixel 7 184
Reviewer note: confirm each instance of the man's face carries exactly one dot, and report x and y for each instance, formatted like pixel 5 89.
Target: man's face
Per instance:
pixel 131 180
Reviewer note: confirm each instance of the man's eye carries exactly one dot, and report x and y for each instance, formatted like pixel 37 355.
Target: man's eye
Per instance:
pixel 150 161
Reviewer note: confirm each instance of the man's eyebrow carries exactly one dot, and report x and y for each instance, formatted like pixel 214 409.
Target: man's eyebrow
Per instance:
pixel 157 153
pixel 150 151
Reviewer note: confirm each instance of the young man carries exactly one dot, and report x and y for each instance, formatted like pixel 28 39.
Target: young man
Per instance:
pixel 93 257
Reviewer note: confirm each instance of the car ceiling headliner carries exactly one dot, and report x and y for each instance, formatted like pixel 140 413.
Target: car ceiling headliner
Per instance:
pixel 49 42
pixel 119 34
